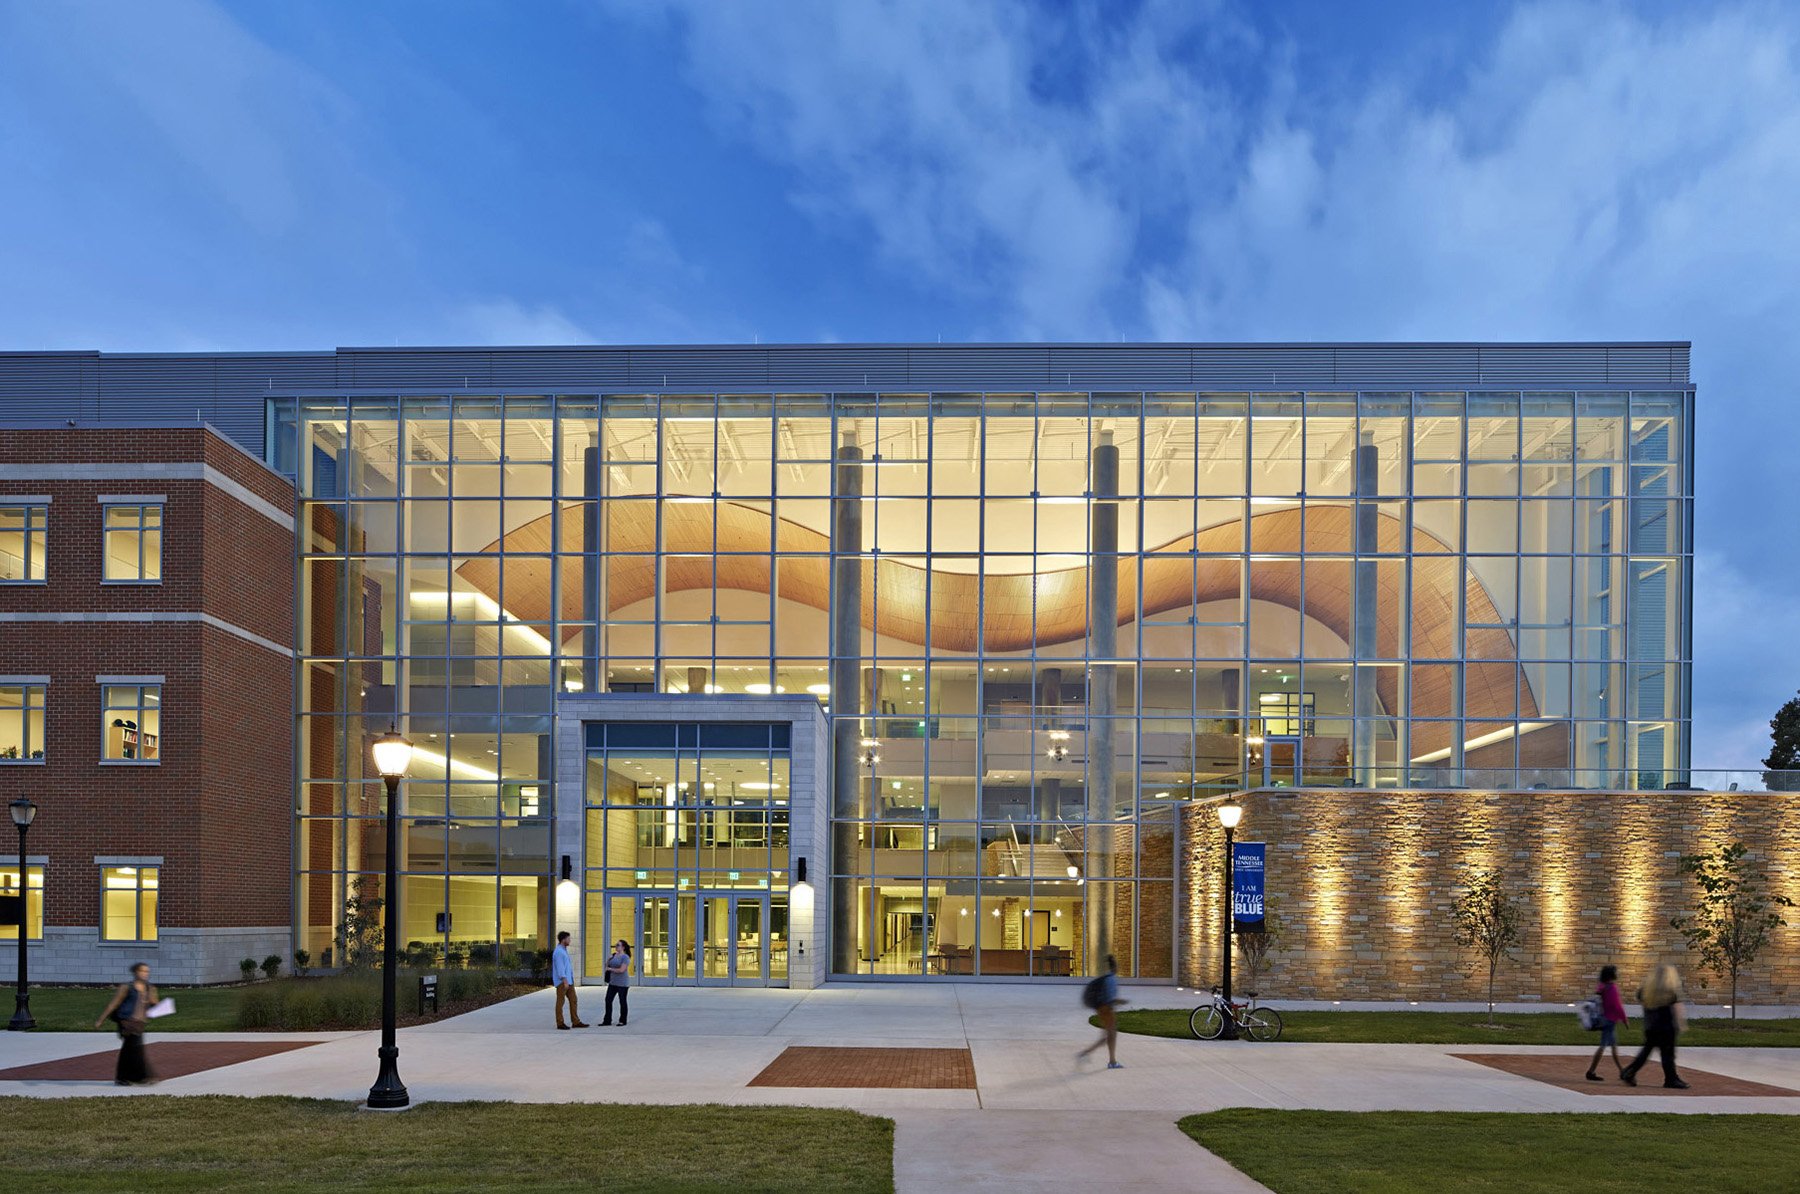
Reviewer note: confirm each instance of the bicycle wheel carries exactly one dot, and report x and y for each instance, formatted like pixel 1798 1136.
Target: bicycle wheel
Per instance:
pixel 1262 1024
pixel 1206 1023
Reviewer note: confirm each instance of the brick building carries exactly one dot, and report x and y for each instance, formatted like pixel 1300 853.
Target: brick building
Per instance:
pixel 146 679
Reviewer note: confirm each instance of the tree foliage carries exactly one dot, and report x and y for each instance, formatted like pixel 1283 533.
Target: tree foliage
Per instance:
pixel 359 934
pixel 1490 920
pixel 1734 915
pixel 1783 763
pixel 1256 946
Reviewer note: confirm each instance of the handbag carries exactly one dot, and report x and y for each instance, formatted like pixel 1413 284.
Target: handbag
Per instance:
pixel 1591 1015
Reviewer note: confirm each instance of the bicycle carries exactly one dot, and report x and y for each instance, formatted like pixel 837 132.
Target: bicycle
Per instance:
pixel 1257 1023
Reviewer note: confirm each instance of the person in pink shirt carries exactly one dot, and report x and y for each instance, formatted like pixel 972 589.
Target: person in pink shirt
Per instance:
pixel 1613 1008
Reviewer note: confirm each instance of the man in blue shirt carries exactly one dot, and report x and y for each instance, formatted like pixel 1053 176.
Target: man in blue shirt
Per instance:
pixel 562 973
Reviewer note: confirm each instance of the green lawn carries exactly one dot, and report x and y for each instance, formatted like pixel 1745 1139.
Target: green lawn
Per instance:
pixel 1469 1028
pixel 278 1145
pixel 198 1009
pixel 1428 1152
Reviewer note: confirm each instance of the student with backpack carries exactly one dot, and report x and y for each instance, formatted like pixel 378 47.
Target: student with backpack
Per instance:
pixel 1102 994
pixel 1607 1016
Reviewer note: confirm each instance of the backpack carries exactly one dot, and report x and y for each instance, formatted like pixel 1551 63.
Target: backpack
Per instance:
pixel 1094 993
pixel 1590 1014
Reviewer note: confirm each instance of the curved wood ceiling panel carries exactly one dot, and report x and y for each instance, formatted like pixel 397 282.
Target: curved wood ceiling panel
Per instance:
pixel 964 618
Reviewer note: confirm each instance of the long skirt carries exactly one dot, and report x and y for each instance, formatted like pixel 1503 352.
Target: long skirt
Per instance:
pixel 134 1066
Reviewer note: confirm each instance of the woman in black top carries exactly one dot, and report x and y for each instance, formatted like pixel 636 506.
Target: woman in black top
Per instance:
pixel 130 1007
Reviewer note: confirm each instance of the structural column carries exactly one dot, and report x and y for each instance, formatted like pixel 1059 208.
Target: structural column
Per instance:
pixel 1103 649
pixel 846 690
pixel 1364 644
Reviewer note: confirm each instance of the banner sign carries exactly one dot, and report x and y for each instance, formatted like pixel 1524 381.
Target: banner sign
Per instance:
pixel 1247 886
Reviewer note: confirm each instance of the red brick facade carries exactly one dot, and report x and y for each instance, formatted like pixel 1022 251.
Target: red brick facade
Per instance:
pixel 219 629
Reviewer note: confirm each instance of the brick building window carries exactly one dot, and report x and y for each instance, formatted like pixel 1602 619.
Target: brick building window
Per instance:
pixel 128 902
pixel 34 899
pixel 21 721
pixel 23 532
pixel 133 549
pixel 131 722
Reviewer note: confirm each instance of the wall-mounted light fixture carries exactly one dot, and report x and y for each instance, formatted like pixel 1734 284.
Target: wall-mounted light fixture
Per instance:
pixel 568 868
pixel 800 869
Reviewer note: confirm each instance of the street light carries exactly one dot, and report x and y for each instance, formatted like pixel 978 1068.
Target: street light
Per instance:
pixel 393 754
pixel 23 813
pixel 1230 813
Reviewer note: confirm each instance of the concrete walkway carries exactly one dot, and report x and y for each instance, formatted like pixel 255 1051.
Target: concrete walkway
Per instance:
pixel 1036 1116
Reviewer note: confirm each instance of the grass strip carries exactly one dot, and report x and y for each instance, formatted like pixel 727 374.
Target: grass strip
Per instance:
pixel 1470 1028
pixel 1428 1152
pixel 164 1143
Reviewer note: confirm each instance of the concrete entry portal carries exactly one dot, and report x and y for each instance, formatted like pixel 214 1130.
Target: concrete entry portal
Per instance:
pixel 690 826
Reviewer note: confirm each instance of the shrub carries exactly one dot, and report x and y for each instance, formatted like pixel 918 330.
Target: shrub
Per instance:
pixel 248 966
pixel 271 965
pixel 260 1008
pixel 302 961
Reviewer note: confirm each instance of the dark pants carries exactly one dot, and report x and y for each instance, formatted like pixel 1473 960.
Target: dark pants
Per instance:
pixel 133 1066
pixel 624 994
pixel 1659 1034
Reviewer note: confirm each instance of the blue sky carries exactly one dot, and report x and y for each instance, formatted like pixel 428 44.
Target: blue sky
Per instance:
pixel 202 175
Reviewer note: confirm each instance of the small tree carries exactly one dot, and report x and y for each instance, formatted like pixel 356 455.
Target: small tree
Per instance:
pixel 1490 920
pixel 1735 914
pixel 1783 763
pixel 271 965
pixel 359 933
pixel 1255 947
pixel 248 966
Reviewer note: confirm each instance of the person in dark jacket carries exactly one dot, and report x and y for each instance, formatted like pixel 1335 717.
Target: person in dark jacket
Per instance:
pixel 1664 1018
pixel 130 1008
pixel 1613 1009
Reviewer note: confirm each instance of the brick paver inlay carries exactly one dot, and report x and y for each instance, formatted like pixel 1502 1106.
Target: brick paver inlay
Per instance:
pixel 168 1059
pixel 911 1069
pixel 1567 1070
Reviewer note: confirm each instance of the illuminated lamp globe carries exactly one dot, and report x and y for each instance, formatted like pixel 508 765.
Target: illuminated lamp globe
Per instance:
pixel 393 754
pixel 1230 813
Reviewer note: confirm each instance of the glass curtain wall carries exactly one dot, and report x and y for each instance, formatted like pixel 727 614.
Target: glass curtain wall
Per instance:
pixel 1038 621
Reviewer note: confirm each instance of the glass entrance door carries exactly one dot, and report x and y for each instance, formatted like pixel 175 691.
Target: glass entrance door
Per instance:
pixel 734 939
pixel 651 924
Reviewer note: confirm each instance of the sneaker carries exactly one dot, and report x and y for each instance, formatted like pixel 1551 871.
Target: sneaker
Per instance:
pixel 1115 1065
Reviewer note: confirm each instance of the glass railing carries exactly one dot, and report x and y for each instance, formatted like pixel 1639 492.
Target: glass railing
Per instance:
pixel 1561 779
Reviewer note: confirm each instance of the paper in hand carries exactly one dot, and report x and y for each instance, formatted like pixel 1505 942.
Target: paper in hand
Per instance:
pixel 161 1008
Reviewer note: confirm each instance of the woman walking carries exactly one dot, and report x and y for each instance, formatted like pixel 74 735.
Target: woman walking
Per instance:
pixel 618 984
pixel 129 1009
pixel 1664 1017
pixel 1612 1009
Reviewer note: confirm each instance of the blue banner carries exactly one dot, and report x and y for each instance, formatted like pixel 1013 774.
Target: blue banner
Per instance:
pixel 1247 886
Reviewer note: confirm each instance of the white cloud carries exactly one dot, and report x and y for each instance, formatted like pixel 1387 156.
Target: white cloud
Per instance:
pixel 1590 173
pixel 505 321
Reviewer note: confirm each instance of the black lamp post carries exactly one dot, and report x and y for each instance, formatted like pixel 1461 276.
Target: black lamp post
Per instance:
pixel 393 754
pixel 1230 813
pixel 23 812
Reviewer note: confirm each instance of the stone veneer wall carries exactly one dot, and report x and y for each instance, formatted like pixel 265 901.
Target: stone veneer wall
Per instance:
pixel 1364 882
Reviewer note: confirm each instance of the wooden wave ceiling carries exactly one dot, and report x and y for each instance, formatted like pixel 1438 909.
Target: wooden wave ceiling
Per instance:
pixel 960 622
